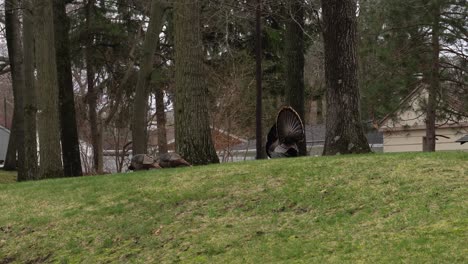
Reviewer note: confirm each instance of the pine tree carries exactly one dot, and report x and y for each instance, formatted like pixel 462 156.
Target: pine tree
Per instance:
pixel 15 53
pixel 30 94
pixel 92 96
pixel 294 55
pixel 47 85
pixel 193 134
pixel 344 130
pixel 69 130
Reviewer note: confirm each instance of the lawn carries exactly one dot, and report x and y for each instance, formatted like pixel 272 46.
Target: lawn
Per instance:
pixel 7 177
pixel 377 208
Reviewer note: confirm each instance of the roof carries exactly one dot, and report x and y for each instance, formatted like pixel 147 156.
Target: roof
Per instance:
pixel 453 96
pixel 463 140
pixel 402 103
pixel 456 99
pixel 6 130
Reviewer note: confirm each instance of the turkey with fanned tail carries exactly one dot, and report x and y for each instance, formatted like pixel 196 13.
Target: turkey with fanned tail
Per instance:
pixel 285 134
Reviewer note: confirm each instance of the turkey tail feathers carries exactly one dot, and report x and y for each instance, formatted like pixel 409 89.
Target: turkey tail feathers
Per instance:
pixel 290 128
pixel 272 140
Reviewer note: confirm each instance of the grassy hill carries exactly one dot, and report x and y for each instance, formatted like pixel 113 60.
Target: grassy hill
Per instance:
pixel 7 176
pixel 409 208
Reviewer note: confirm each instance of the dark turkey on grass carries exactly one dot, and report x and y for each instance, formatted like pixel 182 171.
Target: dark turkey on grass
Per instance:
pixel 143 162
pixel 172 160
pixel 285 134
pixel 167 160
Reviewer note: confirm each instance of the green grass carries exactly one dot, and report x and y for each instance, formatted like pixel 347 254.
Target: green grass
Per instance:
pixel 409 208
pixel 7 176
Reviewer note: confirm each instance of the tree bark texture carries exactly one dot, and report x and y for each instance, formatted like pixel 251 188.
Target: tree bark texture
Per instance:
pixel 15 53
pixel 161 121
pixel 69 130
pixel 434 82
pixel 140 106
pixel 29 93
pixel 261 154
pixel 92 95
pixel 48 113
pixel 344 130
pixel 193 134
pixel 294 55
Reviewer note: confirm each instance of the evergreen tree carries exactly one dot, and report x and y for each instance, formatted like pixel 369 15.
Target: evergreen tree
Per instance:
pixel 30 95
pixel 92 95
pixel 15 53
pixel 294 55
pixel 48 113
pixel 69 130
pixel 193 133
pixel 344 131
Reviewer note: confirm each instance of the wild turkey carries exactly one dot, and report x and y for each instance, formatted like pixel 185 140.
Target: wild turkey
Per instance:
pixel 172 160
pixel 143 162
pixel 168 160
pixel 285 134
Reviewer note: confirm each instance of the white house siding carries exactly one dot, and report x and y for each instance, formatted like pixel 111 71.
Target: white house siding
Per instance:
pixel 4 138
pixel 405 132
pixel 411 140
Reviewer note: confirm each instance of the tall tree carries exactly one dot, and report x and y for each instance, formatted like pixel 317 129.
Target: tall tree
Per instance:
pixel 398 47
pixel 69 130
pixel 92 96
pixel 261 154
pixel 30 101
pixel 193 134
pixel 344 130
pixel 48 113
pixel 15 53
pixel 161 120
pixel 140 107
pixel 434 78
pixel 294 55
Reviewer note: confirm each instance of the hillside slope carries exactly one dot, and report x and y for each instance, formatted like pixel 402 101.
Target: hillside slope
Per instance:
pixel 370 208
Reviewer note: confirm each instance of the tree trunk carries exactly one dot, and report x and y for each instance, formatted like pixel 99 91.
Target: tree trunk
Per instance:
pixel 161 121
pixel 15 53
pixel 140 107
pixel 434 83
pixel 294 54
pixel 193 133
pixel 261 153
pixel 344 130
pixel 49 121
pixel 30 94
pixel 92 94
pixel 69 130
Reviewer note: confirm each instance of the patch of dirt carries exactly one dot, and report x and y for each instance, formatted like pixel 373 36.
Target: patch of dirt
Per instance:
pixel 7 260
pixel 6 229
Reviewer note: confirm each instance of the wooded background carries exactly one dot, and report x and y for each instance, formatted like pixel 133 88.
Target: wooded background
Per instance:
pixel 104 74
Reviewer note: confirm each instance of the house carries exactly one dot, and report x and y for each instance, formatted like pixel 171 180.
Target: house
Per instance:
pixel 4 138
pixel 405 129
